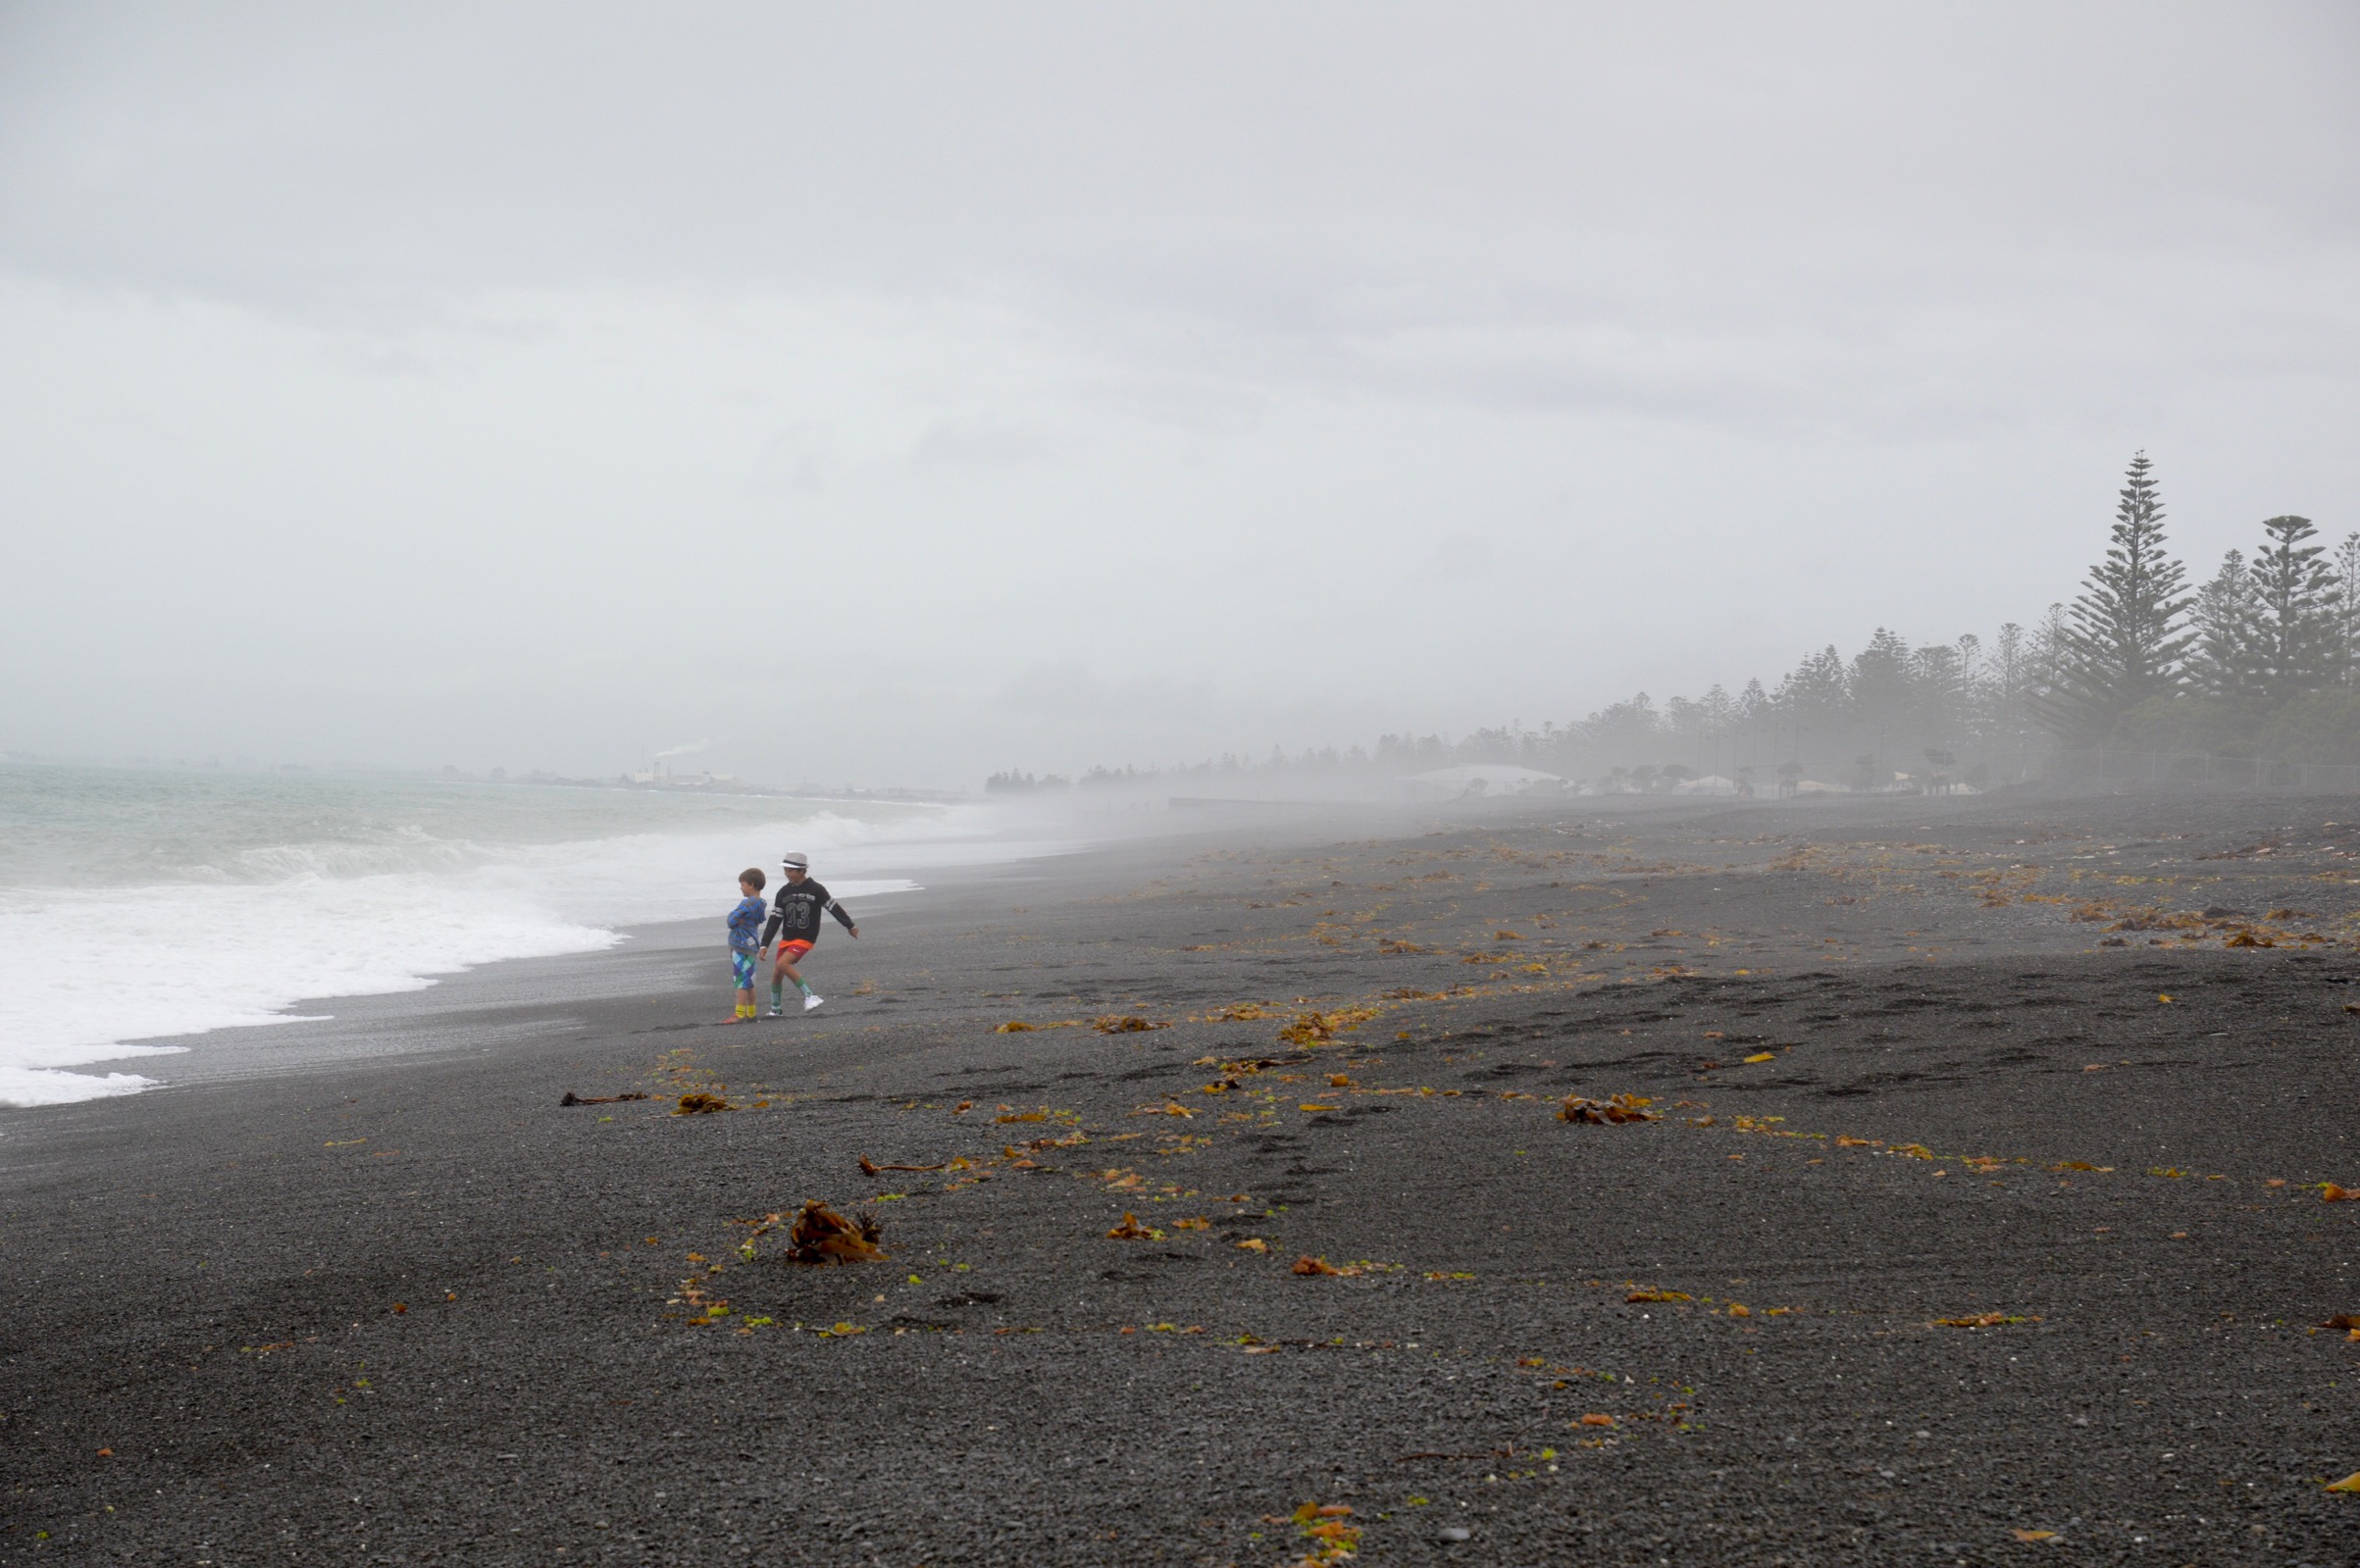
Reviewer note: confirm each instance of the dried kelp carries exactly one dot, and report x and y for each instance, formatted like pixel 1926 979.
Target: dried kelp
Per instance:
pixel 820 1234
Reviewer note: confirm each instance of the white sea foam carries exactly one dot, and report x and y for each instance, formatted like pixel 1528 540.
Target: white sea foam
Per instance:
pixel 240 934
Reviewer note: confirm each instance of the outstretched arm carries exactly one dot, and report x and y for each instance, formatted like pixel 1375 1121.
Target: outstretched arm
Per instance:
pixel 843 917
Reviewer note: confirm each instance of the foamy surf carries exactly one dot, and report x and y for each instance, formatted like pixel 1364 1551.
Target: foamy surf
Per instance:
pixel 366 889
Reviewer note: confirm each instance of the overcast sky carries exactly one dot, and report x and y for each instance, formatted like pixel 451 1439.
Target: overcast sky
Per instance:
pixel 897 393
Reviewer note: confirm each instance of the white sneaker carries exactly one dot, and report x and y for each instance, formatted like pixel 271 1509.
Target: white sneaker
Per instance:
pixel 812 1001
pixel 776 1011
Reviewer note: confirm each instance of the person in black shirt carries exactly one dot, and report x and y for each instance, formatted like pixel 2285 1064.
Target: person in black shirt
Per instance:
pixel 795 912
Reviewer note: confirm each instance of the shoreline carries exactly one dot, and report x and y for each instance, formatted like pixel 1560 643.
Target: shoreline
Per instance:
pixel 308 1042
pixel 269 899
pixel 335 1031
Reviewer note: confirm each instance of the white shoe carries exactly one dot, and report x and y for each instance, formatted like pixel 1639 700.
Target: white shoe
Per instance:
pixel 812 1001
pixel 776 1011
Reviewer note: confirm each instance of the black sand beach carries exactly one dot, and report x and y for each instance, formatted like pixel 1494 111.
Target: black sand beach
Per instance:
pixel 1982 1221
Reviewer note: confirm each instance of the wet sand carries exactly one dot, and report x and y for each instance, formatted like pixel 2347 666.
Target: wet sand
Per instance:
pixel 2011 1163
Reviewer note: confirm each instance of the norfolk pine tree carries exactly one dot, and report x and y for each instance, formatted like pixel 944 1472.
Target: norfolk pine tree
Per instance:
pixel 2347 605
pixel 2295 645
pixel 2121 642
pixel 1880 687
pixel 2226 622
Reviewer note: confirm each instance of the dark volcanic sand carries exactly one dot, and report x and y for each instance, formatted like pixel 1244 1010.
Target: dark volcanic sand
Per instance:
pixel 204 1279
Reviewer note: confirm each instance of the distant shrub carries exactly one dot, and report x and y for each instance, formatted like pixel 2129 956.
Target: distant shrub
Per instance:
pixel 2186 722
pixel 2320 727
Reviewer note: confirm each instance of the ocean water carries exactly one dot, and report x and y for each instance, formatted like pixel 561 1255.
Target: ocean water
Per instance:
pixel 140 907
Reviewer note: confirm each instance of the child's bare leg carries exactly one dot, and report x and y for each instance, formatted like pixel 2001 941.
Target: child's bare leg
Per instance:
pixel 783 973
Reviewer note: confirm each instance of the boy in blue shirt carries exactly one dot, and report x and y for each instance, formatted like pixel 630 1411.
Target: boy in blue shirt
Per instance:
pixel 746 939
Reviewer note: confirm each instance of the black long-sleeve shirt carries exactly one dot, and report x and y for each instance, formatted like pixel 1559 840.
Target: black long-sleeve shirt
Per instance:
pixel 795 911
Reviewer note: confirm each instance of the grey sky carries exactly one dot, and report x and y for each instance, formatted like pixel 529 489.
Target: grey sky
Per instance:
pixel 897 393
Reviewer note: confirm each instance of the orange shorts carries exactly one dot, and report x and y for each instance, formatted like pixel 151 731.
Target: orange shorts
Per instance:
pixel 794 949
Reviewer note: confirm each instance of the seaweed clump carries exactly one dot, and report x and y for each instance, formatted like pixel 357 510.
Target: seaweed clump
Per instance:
pixel 820 1234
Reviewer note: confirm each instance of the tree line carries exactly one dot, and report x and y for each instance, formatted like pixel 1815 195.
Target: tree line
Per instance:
pixel 2262 660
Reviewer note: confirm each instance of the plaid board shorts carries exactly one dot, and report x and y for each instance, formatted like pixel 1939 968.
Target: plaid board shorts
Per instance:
pixel 741 965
